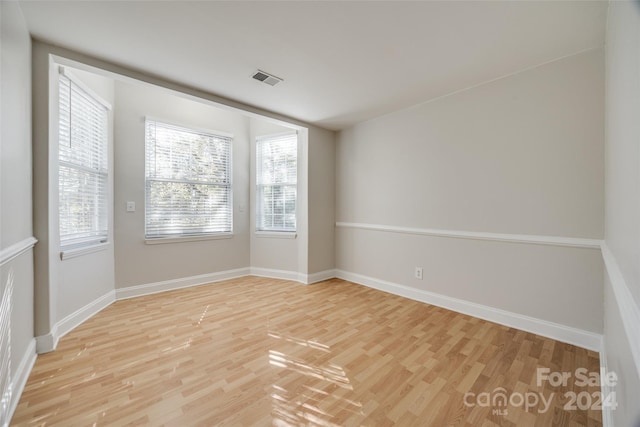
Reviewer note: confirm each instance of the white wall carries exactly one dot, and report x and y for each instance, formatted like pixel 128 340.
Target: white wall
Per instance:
pixel 15 189
pixel 138 263
pixel 520 155
pixel 622 207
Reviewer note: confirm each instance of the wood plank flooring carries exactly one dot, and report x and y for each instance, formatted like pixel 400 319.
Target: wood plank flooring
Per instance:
pixel 264 352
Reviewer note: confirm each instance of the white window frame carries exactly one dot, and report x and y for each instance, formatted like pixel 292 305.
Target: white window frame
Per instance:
pixel 97 238
pixel 188 236
pixel 274 232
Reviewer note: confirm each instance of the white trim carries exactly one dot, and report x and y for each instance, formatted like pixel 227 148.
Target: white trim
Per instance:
pixel 79 316
pixel 49 342
pixel 78 82
pixel 184 239
pixel 556 331
pixel 17 249
pixel 305 279
pixel 577 242
pixel 276 234
pixel 185 282
pixel 275 274
pixel 276 135
pixel 188 127
pixel 319 276
pixel 605 389
pixel 76 252
pixel 22 375
pixel 629 310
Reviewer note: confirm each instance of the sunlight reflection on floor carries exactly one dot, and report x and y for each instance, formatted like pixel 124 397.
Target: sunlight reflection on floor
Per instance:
pixel 308 393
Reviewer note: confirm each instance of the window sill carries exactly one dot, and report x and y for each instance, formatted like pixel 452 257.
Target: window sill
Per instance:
pixel 76 252
pixel 277 234
pixel 163 240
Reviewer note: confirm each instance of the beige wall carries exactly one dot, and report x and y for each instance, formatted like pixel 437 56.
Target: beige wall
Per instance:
pixel 16 127
pixel 138 263
pixel 520 155
pixel 322 205
pixel 43 294
pixel 622 223
pixel 16 184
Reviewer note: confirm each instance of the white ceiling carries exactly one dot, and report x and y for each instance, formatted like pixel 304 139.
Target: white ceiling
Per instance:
pixel 342 62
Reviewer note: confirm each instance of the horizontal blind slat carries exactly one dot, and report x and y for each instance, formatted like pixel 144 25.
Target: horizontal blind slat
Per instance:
pixel 188 181
pixel 276 182
pixel 83 165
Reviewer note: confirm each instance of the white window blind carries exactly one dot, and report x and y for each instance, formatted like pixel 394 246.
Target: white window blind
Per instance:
pixel 83 166
pixel 188 182
pixel 277 182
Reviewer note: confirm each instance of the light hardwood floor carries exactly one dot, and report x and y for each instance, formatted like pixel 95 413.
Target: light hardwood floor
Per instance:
pixel 266 352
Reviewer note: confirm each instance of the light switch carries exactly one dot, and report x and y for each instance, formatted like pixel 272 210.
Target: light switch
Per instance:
pixel 131 206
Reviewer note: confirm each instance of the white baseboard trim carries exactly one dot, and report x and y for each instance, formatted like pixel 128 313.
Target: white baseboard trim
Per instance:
pixel 185 282
pixel 629 310
pixel 49 342
pixel 556 331
pixel 319 276
pixel 275 274
pixel 22 375
pixel 305 279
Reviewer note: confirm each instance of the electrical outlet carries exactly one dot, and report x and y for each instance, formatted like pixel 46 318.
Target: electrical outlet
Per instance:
pixel 418 273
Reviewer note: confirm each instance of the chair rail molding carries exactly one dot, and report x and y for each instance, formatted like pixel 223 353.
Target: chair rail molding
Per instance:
pixel 17 249
pixel 577 242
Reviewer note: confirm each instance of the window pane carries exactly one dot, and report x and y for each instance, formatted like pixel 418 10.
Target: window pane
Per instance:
pixel 276 179
pixel 81 204
pixel 188 190
pixel 185 208
pixel 83 163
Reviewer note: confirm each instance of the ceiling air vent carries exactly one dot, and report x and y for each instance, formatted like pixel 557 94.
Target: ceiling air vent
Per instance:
pixel 266 78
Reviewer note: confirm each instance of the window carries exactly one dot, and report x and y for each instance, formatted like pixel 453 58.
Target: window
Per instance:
pixel 276 182
pixel 82 165
pixel 188 182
